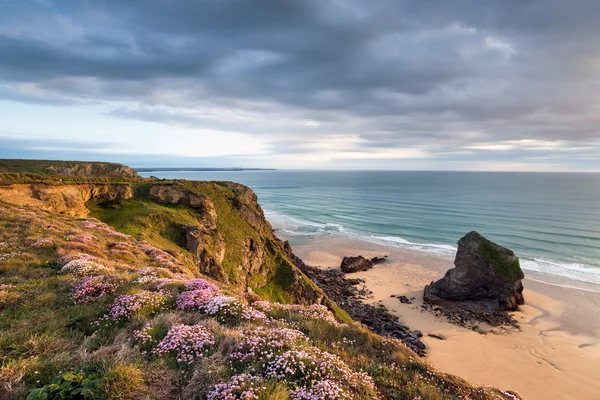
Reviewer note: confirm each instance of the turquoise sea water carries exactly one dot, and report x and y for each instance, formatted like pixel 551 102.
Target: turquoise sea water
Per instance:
pixel 552 221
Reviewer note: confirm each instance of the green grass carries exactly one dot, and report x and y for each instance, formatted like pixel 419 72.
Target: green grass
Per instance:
pixel 44 336
pixel 46 167
pixel 507 267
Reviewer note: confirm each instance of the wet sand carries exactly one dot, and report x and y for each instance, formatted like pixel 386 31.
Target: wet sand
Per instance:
pixel 555 355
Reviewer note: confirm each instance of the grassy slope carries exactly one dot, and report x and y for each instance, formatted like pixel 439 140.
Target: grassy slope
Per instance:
pixel 43 334
pixel 157 223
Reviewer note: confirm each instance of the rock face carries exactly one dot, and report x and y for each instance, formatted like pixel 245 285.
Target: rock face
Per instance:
pixel 63 199
pixel 485 274
pixel 357 264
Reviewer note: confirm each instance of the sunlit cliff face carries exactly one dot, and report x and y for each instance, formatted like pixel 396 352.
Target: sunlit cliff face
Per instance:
pixel 303 84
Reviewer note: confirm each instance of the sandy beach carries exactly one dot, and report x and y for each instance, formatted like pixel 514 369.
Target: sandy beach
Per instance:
pixel 555 354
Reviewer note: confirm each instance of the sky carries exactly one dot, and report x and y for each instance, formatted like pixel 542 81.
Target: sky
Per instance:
pixel 303 84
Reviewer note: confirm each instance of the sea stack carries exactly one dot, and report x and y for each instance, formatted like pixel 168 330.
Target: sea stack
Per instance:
pixel 485 273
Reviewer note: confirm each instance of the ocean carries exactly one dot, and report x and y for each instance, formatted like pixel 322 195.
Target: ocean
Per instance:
pixel 550 220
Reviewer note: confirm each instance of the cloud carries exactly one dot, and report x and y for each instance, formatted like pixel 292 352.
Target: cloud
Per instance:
pixel 420 78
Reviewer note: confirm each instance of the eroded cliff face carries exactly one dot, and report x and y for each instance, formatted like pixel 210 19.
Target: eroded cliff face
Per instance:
pixel 63 199
pixel 219 225
pixel 233 242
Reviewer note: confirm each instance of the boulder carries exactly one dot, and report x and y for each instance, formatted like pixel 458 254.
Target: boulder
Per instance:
pixel 357 264
pixel 485 274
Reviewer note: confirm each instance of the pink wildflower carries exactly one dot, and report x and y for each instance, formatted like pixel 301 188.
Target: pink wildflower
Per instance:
pixel 186 343
pixel 144 302
pixel 239 387
pixel 91 288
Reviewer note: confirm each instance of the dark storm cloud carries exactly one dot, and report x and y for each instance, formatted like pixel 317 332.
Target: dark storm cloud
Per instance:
pixel 431 74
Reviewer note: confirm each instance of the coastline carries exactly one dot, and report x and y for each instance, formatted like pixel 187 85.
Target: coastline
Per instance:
pixel 554 355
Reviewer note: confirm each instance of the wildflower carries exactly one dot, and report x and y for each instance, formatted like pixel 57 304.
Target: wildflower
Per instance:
pixel 313 311
pixel 144 302
pixel 197 299
pixel 261 345
pixel 90 288
pixel 323 390
pixel 186 343
pixel 242 387
pixel 224 308
pixel 83 266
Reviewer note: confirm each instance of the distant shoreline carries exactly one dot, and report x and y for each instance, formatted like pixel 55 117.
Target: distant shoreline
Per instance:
pixel 203 169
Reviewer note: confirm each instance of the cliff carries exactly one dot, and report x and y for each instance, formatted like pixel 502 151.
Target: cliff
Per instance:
pixel 67 168
pixel 148 289
pixel 218 227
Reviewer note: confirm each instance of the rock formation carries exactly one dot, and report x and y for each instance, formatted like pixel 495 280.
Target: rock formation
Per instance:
pixel 485 274
pixel 63 199
pixel 357 264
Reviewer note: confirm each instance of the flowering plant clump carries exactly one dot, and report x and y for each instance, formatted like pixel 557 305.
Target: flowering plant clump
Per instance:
pixel 261 345
pixel 144 302
pixel 187 343
pixel 161 257
pixel 92 223
pixel 197 299
pixel 143 336
pixel 242 387
pixel 197 284
pixel 83 267
pixel 162 282
pixel 310 365
pixel 90 288
pixel 323 390
pixel 226 308
pixel 313 311
pixel 147 275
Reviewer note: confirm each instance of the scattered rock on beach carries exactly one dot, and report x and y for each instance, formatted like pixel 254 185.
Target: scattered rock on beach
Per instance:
pixel 437 336
pixel 359 263
pixel 348 293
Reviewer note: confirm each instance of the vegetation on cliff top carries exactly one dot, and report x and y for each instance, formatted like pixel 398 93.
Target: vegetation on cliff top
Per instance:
pixel 49 344
pixel 67 168
pixel 90 312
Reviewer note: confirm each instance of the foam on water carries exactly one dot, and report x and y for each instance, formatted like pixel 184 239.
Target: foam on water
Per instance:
pixel 546 270
pixel 577 272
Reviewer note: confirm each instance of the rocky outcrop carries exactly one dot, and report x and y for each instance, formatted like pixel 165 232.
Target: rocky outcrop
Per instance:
pixel 63 199
pixel 178 194
pixel 246 203
pixel 357 264
pixel 486 275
